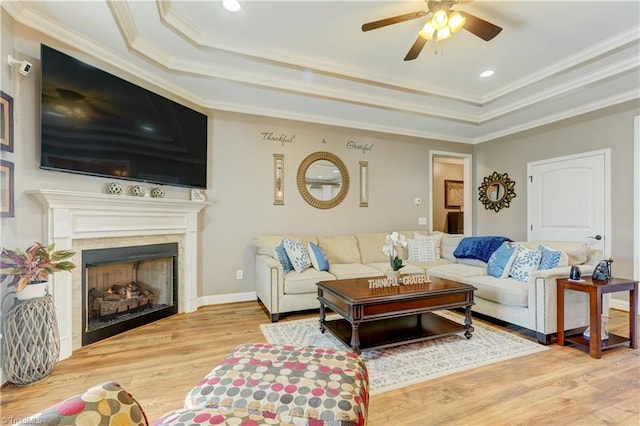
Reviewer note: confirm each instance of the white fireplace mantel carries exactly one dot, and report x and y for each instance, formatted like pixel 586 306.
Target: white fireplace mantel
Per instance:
pixel 71 216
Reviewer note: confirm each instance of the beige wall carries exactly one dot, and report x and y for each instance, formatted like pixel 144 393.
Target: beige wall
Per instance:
pixel 241 189
pixel 608 128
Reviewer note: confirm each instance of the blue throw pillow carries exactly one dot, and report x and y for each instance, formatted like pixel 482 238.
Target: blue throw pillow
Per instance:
pixel 551 258
pixel 498 265
pixel 283 258
pixel 318 258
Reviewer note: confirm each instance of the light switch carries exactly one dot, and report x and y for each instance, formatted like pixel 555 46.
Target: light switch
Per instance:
pixel 417 201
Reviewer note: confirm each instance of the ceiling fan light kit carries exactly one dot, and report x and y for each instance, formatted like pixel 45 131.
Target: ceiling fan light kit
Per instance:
pixel 443 23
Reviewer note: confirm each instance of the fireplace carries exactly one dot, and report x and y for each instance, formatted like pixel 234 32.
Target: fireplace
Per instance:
pixel 126 287
pixel 82 221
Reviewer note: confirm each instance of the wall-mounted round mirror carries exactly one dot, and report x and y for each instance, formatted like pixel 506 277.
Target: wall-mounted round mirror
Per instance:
pixel 323 180
pixel 496 191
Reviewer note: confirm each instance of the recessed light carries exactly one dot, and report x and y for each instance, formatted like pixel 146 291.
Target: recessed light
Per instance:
pixel 231 5
pixel 487 73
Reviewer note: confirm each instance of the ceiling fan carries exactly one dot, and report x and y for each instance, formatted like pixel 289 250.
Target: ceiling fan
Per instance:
pixel 443 22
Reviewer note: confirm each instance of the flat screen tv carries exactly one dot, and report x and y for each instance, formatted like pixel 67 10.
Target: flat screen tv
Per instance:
pixel 95 123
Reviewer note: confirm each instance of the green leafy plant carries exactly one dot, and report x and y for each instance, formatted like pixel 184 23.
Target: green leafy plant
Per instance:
pixel 391 245
pixel 33 264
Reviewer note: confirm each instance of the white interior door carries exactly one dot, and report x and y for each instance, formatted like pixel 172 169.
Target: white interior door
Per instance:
pixel 568 199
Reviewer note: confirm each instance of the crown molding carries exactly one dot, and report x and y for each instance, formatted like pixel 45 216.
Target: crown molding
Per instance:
pixel 559 90
pixel 332 121
pixel 584 56
pixel 552 118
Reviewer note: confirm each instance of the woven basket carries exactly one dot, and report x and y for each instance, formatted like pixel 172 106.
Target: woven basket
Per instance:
pixel 31 341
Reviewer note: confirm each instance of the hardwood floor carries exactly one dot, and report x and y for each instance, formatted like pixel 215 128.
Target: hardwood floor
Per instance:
pixel 160 362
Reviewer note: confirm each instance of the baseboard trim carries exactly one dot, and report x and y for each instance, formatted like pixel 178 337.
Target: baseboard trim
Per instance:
pixel 621 305
pixel 220 299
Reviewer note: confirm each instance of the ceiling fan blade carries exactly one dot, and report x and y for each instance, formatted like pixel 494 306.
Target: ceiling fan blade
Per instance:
pixel 415 50
pixel 395 20
pixel 479 27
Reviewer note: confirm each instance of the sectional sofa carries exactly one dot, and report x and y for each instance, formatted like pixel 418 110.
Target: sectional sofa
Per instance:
pixel 530 304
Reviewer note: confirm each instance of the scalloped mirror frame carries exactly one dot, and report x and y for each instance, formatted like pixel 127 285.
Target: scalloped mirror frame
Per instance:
pixel 498 181
pixel 302 187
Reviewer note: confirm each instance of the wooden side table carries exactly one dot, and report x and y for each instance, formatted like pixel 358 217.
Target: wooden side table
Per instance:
pixel 596 289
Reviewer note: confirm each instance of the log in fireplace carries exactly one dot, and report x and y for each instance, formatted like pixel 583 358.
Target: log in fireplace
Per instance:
pixel 126 287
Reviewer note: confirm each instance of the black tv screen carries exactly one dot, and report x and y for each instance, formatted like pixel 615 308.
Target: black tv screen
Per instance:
pixel 98 124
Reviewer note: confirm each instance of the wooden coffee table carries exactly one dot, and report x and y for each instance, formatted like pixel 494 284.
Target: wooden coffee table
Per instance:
pixel 390 316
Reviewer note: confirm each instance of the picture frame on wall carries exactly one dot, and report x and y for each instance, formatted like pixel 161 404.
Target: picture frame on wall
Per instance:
pixel 453 194
pixel 6 122
pixel 6 188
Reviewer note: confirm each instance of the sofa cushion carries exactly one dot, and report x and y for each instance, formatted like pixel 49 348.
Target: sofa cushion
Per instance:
pixel 353 270
pixel 318 258
pixel 298 254
pixel 506 291
pixel 499 263
pixel 407 269
pixel 552 258
pixel 370 246
pixel 305 282
pixel 577 251
pixel 104 404
pixel 456 271
pixel 448 246
pixel 340 248
pixel 427 265
pixel 525 262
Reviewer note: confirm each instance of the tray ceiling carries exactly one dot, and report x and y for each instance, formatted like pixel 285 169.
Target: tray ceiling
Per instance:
pixel 310 61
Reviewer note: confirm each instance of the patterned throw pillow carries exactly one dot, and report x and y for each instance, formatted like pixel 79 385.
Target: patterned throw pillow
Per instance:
pixel 421 249
pixel 282 256
pixel 500 261
pixel 435 239
pixel 552 258
pixel 298 254
pixel 318 258
pixel 525 262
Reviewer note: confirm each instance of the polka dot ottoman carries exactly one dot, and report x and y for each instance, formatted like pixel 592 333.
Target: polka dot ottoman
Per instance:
pixel 306 386
pixel 105 404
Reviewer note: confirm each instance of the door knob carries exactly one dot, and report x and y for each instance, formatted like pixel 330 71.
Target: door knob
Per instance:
pixel 597 237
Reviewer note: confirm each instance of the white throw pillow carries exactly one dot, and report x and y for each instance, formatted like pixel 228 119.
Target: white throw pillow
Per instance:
pixel 421 250
pixel 525 262
pixel 298 254
pixel 435 238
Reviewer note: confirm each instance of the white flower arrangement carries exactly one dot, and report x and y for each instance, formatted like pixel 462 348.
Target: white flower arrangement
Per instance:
pixel 392 243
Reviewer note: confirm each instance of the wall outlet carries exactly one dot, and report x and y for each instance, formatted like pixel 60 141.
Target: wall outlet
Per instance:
pixel 239 274
pixel 422 221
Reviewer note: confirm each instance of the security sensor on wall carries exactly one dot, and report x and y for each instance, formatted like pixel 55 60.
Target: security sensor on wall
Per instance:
pixel 24 68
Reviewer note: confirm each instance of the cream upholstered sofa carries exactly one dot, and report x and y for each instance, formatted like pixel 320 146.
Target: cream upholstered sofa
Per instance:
pixel 349 256
pixel 531 304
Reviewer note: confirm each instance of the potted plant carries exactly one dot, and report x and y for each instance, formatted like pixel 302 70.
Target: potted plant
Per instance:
pixel 32 267
pixel 392 244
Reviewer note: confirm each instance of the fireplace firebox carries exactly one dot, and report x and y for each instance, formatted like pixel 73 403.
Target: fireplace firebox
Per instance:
pixel 127 287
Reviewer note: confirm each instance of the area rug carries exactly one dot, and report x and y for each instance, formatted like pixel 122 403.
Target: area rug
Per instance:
pixel 396 367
